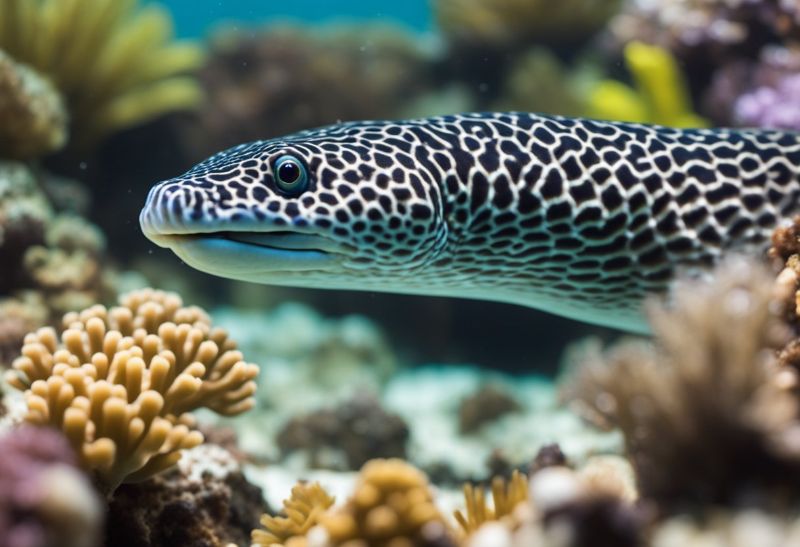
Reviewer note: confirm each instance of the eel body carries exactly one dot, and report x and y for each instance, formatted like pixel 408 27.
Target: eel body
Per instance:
pixel 577 217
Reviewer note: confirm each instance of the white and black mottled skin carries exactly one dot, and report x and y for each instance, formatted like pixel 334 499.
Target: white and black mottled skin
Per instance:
pixel 577 217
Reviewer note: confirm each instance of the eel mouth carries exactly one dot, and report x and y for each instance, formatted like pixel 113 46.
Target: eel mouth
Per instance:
pixel 237 253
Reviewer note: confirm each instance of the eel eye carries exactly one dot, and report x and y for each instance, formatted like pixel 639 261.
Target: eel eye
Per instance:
pixel 290 175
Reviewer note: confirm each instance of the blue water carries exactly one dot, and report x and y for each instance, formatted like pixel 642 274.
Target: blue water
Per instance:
pixel 195 18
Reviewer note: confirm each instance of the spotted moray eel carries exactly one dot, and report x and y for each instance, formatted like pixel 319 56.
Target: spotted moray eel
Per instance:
pixel 577 217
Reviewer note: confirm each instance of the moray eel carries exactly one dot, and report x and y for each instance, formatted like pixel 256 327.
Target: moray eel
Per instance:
pixel 577 217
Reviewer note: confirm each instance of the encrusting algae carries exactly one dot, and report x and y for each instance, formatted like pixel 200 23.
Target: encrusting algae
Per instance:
pixel 120 382
pixel 112 61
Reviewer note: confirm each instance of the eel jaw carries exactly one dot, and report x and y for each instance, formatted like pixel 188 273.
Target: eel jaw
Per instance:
pixel 254 256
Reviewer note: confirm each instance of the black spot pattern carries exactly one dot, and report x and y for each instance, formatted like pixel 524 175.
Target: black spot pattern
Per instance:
pixel 579 217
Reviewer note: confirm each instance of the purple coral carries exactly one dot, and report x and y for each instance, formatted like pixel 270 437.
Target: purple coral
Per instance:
pixel 44 499
pixel 765 93
pixel 774 107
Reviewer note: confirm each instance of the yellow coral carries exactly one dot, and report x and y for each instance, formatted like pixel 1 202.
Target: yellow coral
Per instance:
pixel 392 506
pixel 303 509
pixel 33 119
pixel 506 495
pixel 120 382
pixel 113 61
pixel 660 95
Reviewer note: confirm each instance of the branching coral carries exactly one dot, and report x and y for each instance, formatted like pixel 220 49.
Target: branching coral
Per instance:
pixel 505 497
pixel 392 505
pixel 302 509
pixel 45 501
pixel 660 95
pixel 705 414
pixel 504 23
pixel 112 61
pixel 119 382
pixel 34 119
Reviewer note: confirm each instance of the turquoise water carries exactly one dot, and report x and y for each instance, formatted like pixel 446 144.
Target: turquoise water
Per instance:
pixel 194 21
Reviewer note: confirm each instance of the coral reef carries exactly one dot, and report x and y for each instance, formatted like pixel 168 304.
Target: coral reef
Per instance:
pixel 487 404
pixel 120 382
pixel 303 509
pixel 707 28
pixel 284 79
pixel 347 436
pixel 54 262
pixel 392 505
pixel 45 500
pixel 504 24
pixel 34 119
pixel 689 448
pixel 113 61
pixel 205 501
pixel 660 94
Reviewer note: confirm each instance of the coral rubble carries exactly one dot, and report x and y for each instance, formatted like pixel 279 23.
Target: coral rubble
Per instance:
pixel 121 382
pixel 33 115
pixel 112 60
pixel 45 500
pixel 487 404
pixel 204 501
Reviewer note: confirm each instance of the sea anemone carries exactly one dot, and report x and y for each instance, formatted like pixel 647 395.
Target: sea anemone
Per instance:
pixel 113 62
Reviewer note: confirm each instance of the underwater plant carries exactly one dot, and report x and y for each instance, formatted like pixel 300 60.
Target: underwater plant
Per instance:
pixel 660 94
pixel 113 61
pixel 303 509
pixel 120 383
pixel 33 115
